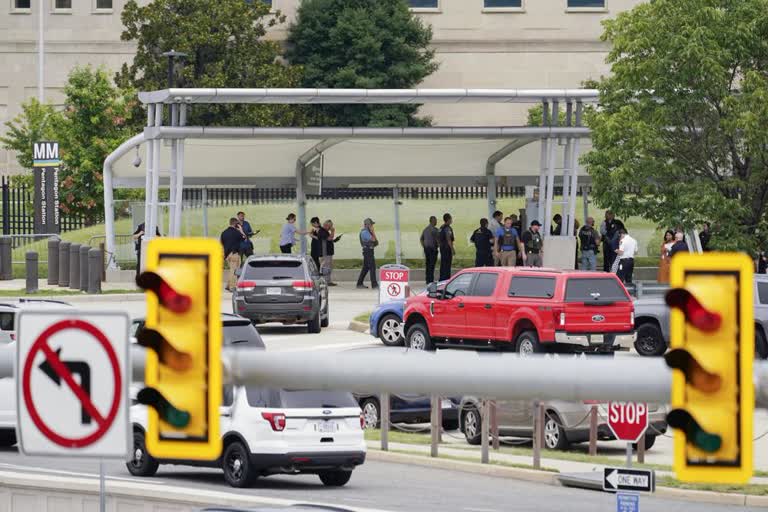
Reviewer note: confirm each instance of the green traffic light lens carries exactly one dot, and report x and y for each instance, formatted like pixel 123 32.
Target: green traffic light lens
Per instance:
pixel 178 418
pixel 705 441
pixel 166 410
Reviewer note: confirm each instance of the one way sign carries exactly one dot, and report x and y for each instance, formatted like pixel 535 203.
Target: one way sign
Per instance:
pixel 72 383
pixel 623 479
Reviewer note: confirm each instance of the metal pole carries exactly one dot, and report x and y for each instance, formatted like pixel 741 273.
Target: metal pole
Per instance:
pixel 398 243
pixel 641 449
pixel 180 175
pixel 537 427
pixel 575 173
pixel 491 193
pixel 585 202
pixel 102 490
pixel 485 431
pixel 593 430
pixel 172 199
pixel 495 424
pixel 41 52
pixel 549 196
pixel 385 411
pixel 434 424
pixel 301 204
pixel 629 455
pixel 151 225
pixel 6 207
pixel 204 196
pixel 544 164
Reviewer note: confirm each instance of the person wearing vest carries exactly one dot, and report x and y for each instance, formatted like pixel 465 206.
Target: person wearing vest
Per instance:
pixel 368 242
pixel 507 243
pixel 483 240
pixel 447 250
pixel 589 239
pixel 494 225
pixel 609 231
pixel 533 245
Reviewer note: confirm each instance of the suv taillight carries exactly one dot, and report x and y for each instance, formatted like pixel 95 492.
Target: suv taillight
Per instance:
pixel 302 286
pixel 362 421
pixel 13 336
pixel 246 286
pixel 275 419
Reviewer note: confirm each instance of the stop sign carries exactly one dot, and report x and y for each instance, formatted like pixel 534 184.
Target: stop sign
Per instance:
pixel 628 420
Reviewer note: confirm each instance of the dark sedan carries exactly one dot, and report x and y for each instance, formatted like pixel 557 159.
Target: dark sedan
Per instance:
pixel 408 409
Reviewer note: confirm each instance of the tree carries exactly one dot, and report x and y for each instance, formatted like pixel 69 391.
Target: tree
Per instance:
pixel 362 44
pixel 35 123
pixel 94 122
pixel 683 116
pixel 225 47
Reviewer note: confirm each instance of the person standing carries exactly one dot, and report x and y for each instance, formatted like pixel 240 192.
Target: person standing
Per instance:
pixel 589 239
pixel 662 276
pixel 368 242
pixel 288 234
pixel 762 262
pixel 679 246
pixel 246 246
pixel 429 239
pixel 447 249
pixel 494 225
pixel 609 230
pixel 231 238
pixel 507 243
pixel 315 244
pixel 626 256
pixel 705 236
pixel 557 225
pixel 533 246
pixel 138 236
pixel 483 240
pixel 327 236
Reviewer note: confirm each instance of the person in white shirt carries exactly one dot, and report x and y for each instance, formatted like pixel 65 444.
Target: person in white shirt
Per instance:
pixel 494 225
pixel 626 256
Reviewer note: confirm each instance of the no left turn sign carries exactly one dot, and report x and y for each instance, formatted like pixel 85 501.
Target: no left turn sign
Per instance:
pixel 72 383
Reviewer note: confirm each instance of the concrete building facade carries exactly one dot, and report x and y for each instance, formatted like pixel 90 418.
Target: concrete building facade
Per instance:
pixel 479 44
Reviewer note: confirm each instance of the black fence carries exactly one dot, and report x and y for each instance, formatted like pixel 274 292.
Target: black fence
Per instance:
pixel 18 213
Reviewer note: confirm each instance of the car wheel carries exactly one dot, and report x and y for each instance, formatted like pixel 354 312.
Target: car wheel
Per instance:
pixel 335 478
pixel 554 433
pixel 7 437
pixel 527 343
pixel 449 425
pixel 236 464
pixel 649 442
pixel 472 426
pixel 371 413
pixel 326 320
pixel 141 463
pixel 391 330
pixel 418 337
pixel 650 341
pixel 313 326
pixel 761 346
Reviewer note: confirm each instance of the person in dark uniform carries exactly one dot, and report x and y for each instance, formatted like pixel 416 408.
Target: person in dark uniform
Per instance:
pixel 556 229
pixel 138 235
pixel 246 246
pixel 368 242
pixel 762 262
pixel 705 236
pixel 483 240
pixel 533 244
pixel 589 239
pixel 609 232
pixel 231 238
pixel 446 247
pixel 429 242
pixel 315 244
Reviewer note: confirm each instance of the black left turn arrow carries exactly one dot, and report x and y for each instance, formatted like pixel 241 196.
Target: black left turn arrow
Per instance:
pixel 79 367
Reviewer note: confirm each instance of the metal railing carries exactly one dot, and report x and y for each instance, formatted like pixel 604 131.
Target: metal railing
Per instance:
pixel 125 249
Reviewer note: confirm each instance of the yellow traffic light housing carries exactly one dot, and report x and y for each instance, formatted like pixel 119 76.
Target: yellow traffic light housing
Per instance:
pixel 712 347
pixel 183 331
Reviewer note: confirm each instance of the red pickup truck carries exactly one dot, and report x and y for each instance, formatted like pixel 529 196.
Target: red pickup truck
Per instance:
pixel 525 309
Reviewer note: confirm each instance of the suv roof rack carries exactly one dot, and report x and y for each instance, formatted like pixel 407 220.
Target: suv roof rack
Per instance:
pixel 23 300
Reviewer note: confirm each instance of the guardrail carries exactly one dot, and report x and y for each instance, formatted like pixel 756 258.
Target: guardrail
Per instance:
pixel 125 249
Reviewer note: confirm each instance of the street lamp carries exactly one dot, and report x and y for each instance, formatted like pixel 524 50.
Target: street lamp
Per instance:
pixel 171 56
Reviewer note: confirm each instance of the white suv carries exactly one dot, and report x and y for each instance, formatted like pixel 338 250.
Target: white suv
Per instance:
pixel 275 431
pixel 8 313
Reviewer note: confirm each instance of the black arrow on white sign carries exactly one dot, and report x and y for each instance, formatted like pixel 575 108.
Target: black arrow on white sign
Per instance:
pixel 623 479
pixel 75 367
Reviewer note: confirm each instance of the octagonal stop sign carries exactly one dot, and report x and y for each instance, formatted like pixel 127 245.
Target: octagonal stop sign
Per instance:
pixel 628 420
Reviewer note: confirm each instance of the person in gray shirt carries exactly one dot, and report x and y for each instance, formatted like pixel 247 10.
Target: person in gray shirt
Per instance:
pixel 429 242
pixel 494 225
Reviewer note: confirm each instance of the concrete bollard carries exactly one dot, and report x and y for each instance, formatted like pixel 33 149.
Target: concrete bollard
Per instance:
pixel 64 263
pixel 31 262
pixel 53 261
pixel 95 262
pixel 84 267
pixel 6 258
pixel 74 267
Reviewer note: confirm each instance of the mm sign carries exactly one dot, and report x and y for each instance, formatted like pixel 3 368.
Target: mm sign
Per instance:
pixel 628 420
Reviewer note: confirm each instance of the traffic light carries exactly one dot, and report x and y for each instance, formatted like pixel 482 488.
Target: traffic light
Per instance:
pixel 712 348
pixel 183 332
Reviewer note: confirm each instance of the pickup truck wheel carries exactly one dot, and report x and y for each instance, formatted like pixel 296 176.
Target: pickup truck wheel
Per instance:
pixel 650 341
pixel 391 330
pixel 418 337
pixel 472 424
pixel 761 346
pixel 527 343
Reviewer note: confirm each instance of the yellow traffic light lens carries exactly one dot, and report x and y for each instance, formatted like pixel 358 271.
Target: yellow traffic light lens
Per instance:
pixel 695 374
pixel 166 353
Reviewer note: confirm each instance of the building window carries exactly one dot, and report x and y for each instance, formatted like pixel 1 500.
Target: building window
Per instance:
pixel 423 4
pixel 62 4
pixel 589 4
pixel 503 4
pixel 22 5
pixel 103 5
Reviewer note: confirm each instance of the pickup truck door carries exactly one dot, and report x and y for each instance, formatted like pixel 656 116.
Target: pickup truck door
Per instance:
pixel 448 312
pixel 479 307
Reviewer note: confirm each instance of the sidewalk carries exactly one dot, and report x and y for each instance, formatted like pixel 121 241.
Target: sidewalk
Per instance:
pixel 42 284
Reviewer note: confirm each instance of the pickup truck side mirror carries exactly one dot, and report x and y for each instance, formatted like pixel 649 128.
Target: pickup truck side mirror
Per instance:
pixel 432 292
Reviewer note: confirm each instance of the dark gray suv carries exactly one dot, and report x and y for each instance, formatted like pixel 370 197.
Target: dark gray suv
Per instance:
pixel 282 288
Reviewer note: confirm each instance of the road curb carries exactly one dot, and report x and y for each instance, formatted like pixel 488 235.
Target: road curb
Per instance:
pixel 528 475
pixel 356 326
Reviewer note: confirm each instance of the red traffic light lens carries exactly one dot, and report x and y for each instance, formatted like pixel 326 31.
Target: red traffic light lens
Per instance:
pixel 168 297
pixel 695 313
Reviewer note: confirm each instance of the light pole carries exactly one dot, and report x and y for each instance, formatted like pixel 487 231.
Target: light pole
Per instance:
pixel 171 56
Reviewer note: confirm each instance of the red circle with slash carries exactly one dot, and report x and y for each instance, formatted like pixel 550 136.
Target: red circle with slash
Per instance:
pixel 41 344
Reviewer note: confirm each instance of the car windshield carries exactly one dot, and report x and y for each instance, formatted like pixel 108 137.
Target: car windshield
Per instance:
pixel 594 289
pixel 273 269
pixel 302 398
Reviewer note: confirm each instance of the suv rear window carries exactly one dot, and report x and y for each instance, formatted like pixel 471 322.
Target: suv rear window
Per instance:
pixel 6 321
pixel 594 289
pixel 530 286
pixel 274 269
pixel 762 293
pixel 300 398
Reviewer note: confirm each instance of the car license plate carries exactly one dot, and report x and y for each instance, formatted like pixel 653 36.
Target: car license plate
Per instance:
pixel 274 291
pixel 597 338
pixel 447 404
pixel 326 427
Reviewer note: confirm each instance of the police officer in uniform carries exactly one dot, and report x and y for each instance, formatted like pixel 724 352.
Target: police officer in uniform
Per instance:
pixel 508 243
pixel 533 245
pixel 589 239
pixel 446 247
pixel 368 241
pixel 483 240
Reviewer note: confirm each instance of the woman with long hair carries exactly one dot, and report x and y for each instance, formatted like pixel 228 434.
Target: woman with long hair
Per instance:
pixel 664 258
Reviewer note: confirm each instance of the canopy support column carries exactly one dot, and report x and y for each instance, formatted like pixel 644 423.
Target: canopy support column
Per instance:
pixel 575 172
pixel 151 225
pixel 178 205
pixel 174 113
pixel 398 242
pixel 301 205
pixel 544 164
pixel 148 166
pixel 490 169
pixel 550 191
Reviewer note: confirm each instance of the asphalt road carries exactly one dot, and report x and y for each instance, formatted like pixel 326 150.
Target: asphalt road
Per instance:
pixel 378 485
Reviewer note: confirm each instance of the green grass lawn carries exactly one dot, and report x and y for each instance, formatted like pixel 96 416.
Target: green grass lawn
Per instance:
pixel 363 317
pixel 751 489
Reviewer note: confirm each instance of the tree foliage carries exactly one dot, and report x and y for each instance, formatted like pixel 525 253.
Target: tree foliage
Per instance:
pixel 683 117
pixel 225 47
pixel 35 123
pixel 362 44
